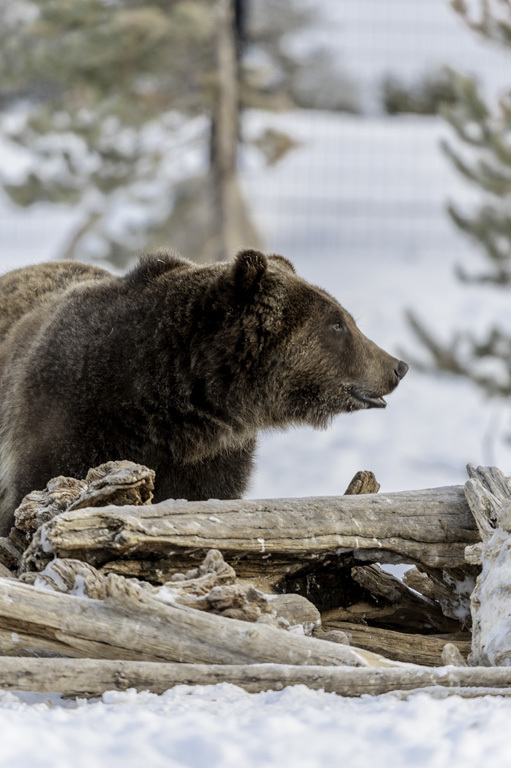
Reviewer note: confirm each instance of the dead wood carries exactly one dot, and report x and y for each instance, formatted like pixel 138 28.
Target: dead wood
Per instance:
pixel 411 648
pixel 211 587
pixel 71 577
pixel 488 494
pixel 130 623
pixel 450 588
pixel 297 611
pixel 264 540
pixel 363 482
pixel 412 612
pixel 87 677
pixel 116 482
pixel 40 506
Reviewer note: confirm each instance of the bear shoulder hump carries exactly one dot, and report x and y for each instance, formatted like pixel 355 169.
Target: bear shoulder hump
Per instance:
pixel 155 265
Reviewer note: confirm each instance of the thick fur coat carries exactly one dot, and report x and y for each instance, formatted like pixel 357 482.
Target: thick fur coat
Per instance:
pixel 175 366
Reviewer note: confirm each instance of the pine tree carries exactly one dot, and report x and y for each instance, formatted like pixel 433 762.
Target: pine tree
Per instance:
pixel 106 73
pixel 483 156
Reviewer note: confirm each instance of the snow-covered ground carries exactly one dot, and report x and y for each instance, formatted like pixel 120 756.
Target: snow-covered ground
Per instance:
pixel 359 207
pixel 223 727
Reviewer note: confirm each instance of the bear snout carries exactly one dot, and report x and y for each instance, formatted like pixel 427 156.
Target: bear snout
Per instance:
pixel 401 370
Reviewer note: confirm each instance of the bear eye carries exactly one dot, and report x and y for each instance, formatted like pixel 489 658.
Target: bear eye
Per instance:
pixel 338 326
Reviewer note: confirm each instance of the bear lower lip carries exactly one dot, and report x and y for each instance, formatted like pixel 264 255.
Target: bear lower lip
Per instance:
pixel 372 401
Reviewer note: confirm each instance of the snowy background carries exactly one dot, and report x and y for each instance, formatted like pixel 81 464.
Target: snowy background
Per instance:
pixel 359 207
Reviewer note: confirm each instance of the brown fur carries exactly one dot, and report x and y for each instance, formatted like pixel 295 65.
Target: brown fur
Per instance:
pixel 174 365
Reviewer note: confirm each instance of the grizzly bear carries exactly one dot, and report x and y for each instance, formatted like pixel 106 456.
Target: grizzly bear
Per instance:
pixel 173 365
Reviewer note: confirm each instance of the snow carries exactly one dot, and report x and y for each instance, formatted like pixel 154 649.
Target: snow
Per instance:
pixel 224 727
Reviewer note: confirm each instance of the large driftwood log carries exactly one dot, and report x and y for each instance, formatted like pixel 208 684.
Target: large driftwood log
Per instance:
pixel 266 540
pixel 87 677
pixel 488 493
pixel 132 624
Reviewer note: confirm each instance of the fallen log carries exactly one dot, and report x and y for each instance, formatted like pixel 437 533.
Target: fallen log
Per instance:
pixel 130 623
pixel 265 540
pixel 86 677
pixel 415 648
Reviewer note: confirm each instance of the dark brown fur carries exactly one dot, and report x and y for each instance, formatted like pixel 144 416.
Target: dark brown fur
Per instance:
pixel 174 365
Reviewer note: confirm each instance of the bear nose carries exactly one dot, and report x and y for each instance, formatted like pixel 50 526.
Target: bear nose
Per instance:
pixel 401 369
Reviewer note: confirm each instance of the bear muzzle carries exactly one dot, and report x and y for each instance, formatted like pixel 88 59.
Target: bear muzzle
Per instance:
pixel 374 400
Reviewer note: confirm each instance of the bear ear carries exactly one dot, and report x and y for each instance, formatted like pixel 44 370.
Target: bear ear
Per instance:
pixel 152 266
pixel 248 269
pixel 283 262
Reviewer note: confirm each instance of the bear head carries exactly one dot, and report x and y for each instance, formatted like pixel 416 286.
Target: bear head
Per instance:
pixel 278 350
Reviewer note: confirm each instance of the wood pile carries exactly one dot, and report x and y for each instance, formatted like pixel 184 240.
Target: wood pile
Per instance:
pixel 107 590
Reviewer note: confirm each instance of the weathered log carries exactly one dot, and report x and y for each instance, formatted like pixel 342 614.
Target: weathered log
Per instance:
pixel 450 588
pixel 411 648
pixel 265 540
pixel 412 612
pixel 91 677
pixel 488 493
pixel 132 624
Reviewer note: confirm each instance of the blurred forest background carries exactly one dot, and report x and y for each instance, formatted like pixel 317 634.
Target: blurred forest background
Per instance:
pixel 368 140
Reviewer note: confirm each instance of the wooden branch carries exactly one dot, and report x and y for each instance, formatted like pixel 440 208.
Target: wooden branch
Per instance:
pixel 265 538
pixel 92 677
pixel 132 624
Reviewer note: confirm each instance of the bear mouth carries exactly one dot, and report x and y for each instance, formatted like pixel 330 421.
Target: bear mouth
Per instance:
pixel 370 400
